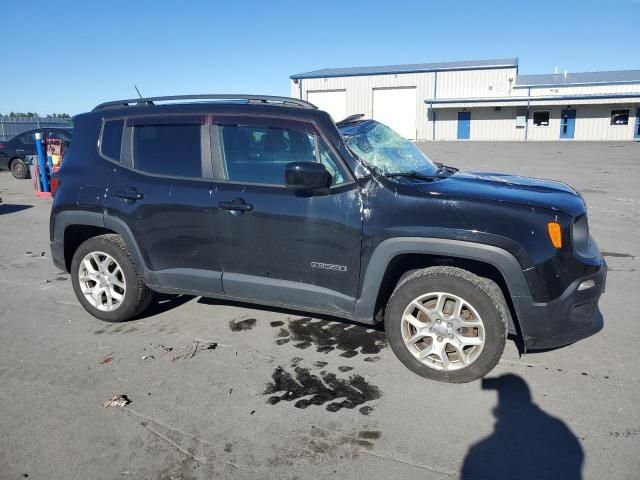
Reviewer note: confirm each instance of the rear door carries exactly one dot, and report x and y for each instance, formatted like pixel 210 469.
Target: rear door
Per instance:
pixel 277 245
pixel 161 191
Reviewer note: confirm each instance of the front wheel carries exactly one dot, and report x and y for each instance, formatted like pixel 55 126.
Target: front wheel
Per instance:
pixel 105 280
pixel 446 324
pixel 19 169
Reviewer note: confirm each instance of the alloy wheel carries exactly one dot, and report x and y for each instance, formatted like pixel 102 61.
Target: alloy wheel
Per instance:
pixel 443 331
pixel 102 281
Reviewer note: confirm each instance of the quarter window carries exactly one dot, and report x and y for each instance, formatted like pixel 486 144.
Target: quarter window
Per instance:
pixel 620 117
pixel 172 150
pixel 112 139
pixel 541 119
pixel 260 154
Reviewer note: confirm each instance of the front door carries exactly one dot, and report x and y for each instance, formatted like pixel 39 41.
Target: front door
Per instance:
pixel 277 245
pixel 464 125
pixel 162 192
pixel 636 132
pixel 567 123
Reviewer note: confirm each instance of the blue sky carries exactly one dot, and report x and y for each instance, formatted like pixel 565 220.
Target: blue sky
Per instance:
pixel 67 56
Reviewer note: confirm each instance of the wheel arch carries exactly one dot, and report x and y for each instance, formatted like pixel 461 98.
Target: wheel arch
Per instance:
pixel 394 257
pixel 72 228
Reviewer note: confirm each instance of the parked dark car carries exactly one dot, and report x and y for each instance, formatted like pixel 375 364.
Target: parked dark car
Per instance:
pixel 266 200
pixel 13 152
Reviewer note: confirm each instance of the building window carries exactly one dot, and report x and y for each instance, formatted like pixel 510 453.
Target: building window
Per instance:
pixel 620 117
pixel 541 119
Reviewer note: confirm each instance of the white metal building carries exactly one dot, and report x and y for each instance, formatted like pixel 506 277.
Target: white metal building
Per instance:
pixel 480 100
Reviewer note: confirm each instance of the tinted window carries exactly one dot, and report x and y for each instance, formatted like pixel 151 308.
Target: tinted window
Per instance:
pixel 168 150
pixel 112 139
pixel 259 154
pixel 28 139
pixel 65 137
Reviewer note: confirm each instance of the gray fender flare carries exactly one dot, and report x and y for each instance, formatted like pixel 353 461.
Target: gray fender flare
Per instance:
pixel 384 253
pixel 96 219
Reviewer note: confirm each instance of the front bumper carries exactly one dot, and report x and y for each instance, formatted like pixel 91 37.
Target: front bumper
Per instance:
pixel 571 317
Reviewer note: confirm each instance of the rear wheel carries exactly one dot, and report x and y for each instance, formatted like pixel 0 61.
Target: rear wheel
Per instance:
pixel 446 324
pixel 105 280
pixel 19 169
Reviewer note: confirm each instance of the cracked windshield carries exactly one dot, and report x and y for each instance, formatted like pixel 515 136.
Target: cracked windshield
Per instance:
pixel 386 152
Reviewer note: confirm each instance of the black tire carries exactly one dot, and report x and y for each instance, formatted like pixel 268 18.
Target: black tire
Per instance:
pixel 473 289
pixel 19 169
pixel 137 295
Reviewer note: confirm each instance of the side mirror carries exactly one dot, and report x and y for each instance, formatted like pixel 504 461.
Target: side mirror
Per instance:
pixel 306 176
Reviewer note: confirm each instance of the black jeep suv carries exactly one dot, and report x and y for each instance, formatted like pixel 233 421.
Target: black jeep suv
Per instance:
pixel 267 200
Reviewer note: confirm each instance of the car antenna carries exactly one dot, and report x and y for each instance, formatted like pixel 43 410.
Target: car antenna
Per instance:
pixel 148 102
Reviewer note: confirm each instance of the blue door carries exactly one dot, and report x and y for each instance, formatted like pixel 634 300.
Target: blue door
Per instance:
pixel 567 123
pixel 636 132
pixel 464 125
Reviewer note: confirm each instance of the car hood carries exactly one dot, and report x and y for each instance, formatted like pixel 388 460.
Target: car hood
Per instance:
pixel 501 187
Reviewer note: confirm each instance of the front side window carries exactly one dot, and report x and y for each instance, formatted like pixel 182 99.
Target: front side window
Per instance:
pixel 620 117
pixel 111 140
pixel 260 153
pixel 541 119
pixel 168 149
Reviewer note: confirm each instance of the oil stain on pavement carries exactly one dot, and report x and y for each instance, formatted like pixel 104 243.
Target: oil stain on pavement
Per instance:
pixel 350 339
pixel 242 325
pixel 323 388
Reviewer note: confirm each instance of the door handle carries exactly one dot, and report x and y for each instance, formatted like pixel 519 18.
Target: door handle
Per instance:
pixel 238 205
pixel 129 195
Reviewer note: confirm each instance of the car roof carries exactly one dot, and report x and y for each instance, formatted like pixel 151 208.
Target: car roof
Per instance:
pixel 208 107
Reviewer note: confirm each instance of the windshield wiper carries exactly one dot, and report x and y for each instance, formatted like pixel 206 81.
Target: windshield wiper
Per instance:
pixel 413 175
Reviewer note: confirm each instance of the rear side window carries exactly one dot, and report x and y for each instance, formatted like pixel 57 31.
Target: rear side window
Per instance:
pixel 112 139
pixel 28 139
pixel 172 150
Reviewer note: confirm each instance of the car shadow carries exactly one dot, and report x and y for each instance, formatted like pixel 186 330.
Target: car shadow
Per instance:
pixel 7 208
pixel 289 311
pixel 527 443
pixel 163 302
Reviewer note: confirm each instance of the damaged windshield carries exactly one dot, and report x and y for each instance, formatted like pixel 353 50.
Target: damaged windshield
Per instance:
pixel 386 152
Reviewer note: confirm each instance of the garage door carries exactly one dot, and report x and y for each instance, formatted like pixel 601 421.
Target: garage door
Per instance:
pixel 333 102
pixel 396 108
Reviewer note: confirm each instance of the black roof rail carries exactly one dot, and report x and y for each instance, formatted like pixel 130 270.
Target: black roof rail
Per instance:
pixel 266 99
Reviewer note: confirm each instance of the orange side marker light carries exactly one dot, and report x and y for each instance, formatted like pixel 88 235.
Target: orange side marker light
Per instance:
pixel 555 234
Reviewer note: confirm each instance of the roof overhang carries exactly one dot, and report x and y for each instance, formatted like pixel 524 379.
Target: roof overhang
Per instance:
pixel 440 103
pixel 408 68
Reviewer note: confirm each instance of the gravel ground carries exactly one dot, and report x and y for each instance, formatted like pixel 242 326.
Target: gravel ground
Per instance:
pixel 224 390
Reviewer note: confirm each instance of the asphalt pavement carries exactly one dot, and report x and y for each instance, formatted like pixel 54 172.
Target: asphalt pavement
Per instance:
pixel 228 390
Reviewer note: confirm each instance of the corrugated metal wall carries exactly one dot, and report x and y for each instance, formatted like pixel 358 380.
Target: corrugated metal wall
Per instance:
pixel 593 116
pixel 475 83
pixel 579 90
pixel 360 92
pixel 11 126
pixel 593 122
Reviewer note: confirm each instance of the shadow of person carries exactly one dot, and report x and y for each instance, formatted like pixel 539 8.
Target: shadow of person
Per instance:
pixel 527 443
